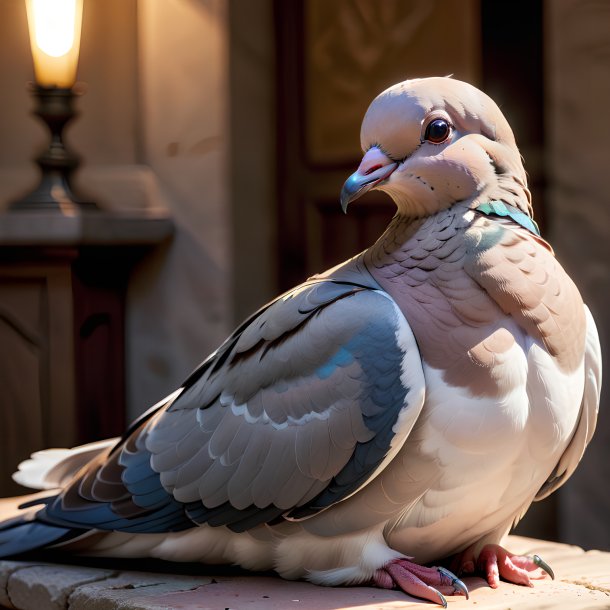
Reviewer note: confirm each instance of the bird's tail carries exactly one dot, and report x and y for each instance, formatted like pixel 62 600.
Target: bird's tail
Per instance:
pixel 20 531
pixel 53 468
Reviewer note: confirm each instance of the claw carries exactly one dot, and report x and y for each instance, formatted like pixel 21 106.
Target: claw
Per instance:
pixel 419 581
pixel 543 565
pixel 441 598
pixel 457 584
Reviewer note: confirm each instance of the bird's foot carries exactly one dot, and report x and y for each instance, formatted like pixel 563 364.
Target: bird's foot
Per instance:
pixel 496 562
pixel 419 581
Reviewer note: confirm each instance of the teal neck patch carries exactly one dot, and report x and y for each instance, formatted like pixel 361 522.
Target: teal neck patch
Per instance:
pixel 499 208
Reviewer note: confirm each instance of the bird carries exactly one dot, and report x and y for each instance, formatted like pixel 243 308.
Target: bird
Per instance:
pixel 386 422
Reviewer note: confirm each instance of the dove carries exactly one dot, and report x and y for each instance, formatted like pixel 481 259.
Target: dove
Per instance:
pixel 386 420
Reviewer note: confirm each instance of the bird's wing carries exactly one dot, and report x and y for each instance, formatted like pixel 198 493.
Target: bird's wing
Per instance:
pixel 588 414
pixel 302 406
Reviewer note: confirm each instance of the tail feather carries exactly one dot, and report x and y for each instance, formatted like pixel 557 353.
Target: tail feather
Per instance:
pixel 20 531
pixel 53 468
pixel 30 535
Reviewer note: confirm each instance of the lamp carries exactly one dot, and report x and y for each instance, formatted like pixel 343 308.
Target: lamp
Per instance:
pixel 55 27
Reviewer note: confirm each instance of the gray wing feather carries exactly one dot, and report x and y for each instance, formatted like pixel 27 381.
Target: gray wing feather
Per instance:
pixel 300 400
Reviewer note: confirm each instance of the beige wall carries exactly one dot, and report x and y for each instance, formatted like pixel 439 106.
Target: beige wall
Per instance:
pixel 578 132
pixel 180 306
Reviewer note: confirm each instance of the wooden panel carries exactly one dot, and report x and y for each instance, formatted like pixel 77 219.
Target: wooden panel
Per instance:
pixel 99 285
pixel 21 341
pixel 37 408
pixel 62 350
pixel 513 75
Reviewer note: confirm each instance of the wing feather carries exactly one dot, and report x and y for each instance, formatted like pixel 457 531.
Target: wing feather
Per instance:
pixel 295 411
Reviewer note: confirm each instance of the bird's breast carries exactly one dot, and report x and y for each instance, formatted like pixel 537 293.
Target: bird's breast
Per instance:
pixel 479 460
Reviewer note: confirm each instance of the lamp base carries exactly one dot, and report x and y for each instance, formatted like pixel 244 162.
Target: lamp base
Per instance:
pixel 53 194
pixel 57 163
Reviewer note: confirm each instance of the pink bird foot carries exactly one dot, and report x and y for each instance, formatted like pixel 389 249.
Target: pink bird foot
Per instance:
pixel 419 581
pixel 496 562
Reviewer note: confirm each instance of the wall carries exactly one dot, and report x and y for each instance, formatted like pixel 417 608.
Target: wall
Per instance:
pixel 578 96
pixel 252 159
pixel 180 306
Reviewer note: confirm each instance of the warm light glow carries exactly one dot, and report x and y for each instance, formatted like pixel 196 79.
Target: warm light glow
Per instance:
pixel 54 25
pixel 55 40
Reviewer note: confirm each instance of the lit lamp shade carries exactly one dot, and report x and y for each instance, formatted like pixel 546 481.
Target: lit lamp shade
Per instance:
pixel 55 40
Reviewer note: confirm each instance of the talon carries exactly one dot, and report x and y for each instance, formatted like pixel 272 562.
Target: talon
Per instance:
pixel 441 598
pixel 419 581
pixel 544 566
pixel 457 584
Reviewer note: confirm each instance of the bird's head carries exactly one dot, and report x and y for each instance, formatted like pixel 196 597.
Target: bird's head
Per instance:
pixel 433 142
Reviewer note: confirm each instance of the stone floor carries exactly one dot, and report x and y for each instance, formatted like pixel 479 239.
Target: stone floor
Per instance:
pixel 582 581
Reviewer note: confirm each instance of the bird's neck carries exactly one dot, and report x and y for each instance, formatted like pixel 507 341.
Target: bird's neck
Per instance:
pixel 404 233
pixel 398 233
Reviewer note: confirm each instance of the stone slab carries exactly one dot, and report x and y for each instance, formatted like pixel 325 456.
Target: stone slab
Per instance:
pixel 135 591
pixel 582 582
pixel 49 586
pixel 7 569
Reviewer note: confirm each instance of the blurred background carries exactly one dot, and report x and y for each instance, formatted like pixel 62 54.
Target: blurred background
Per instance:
pixel 238 121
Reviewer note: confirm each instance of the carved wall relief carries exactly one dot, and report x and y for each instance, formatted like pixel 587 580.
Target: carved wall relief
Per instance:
pixel 355 49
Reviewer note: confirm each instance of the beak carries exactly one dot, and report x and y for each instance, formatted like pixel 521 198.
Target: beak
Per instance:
pixel 374 168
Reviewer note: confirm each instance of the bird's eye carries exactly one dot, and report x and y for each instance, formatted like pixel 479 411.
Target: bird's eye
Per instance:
pixel 437 131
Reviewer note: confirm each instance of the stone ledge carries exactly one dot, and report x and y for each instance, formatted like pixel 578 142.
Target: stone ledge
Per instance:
pixel 39 228
pixel 582 581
